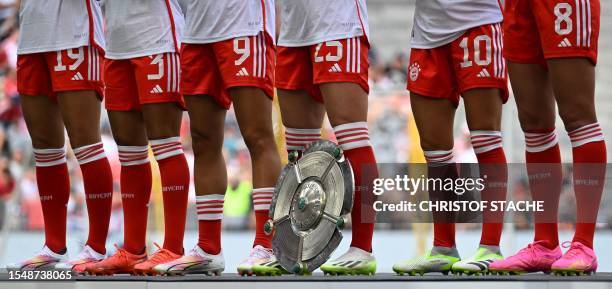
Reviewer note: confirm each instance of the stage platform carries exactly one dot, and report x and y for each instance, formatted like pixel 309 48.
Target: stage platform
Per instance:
pixel 318 281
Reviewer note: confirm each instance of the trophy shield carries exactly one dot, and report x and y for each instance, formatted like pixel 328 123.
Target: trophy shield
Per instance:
pixel 312 197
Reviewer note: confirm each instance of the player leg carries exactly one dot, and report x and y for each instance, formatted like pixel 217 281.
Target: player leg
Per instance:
pixel 207 106
pixel 482 80
pixel 77 77
pixel 161 103
pixel 570 33
pixel 574 86
pixel 536 108
pixel 436 136
pixel 302 117
pixel 349 85
pixel 129 132
pixel 256 129
pixel 44 121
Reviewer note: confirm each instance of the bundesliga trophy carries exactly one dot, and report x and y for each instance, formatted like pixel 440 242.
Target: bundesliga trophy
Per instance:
pixel 312 197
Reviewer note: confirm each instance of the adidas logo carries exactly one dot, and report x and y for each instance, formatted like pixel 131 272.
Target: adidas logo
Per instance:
pixel 242 72
pixel 335 68
pixel 157 89
pixel 565 43
pixel 484 73
pixel 77 76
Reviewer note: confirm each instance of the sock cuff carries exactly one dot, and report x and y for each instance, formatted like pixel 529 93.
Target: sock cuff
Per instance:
pixel 262 198
pixel 210 207
pixel 165 148
pixel 540 141
pixel 299 138
pixel 586 134
pixel 89 153
pixel 133 155
pixel 353 135
pixel 50 157
pixel 485 140
pixel 441 157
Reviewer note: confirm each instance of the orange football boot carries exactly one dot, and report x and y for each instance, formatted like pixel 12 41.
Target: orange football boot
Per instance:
pixel 122 262
pixel 162 256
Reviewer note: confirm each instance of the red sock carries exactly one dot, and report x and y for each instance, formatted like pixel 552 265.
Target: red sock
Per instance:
pixel 136 182
pixel 545 178
pixel 210 213
pixel 174 173
pixel 98 183
pixel 492 162
pixel 262 198
pixel 589 152
pixel 440 165
pixel 355 141
pixel 54 190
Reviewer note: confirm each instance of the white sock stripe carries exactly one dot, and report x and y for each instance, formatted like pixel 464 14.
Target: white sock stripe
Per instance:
pixel 539 142
pixel 133 155
pixel 585 129
pixel 50 151
pixel 485 141
pixel 210 207
pixel 261 207
pixel 165 148
pixel 129 149
pixel 213 197
pixel 438 156
pixel 210 217
pixel 586 134
pixel 302 131
pixel 350 126
pixel 493 133
pixel 355 144
pixel 89 153
pixel 262 198
pixel 157 142
pixel 50 157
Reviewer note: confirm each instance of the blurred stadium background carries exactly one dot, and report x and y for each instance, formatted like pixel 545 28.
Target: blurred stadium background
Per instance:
pixel 392 131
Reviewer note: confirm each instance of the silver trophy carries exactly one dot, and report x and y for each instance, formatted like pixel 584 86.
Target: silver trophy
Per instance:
pixel 312 197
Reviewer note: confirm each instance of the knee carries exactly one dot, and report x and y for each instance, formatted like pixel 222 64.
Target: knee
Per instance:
pixel 47 142
pixel 577 117
pixel 436 143
pixel 206 143
pixel 536 120
pixel 81 135
pixel 259 141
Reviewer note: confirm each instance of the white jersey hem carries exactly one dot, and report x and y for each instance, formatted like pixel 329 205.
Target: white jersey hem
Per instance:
pixel 51 48
pixel 141 53
pixel 318 40
pixel 452 38
pixel 197 40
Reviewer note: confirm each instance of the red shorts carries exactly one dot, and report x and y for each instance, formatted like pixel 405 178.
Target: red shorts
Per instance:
pixel 214 68
pixel 474 60
pixel 46 73
pixel 148 79
pixel 536 30
pixel 305 68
